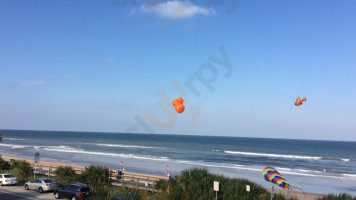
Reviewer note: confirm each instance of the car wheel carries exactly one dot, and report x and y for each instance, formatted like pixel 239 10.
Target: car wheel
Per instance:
pixel 56 195
pixel 1 183
pixel 26 187
pixel 74 198
pixel 40 189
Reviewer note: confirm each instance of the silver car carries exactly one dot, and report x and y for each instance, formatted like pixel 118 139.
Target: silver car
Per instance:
pixel 41 184
pixel 7 179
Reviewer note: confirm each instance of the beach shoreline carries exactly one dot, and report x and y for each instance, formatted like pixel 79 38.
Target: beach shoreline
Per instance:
pixel 294 194
pixel 312 169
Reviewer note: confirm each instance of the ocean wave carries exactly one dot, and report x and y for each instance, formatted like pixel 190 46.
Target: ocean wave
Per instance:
pixel 61 147
pixel 13 138
pixel 350 175
pixel 80 151
pixel 273 155
pixel 15 146
pixel 338 159
pixel 301 172
pixel 285 156
pixel 287 171
pixel 125 146
pixel 216 165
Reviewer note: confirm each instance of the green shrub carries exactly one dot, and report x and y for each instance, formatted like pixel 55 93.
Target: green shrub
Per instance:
pixel 161 185
pixel 103 192
pixel 22 170
pixel 106 192
pixel 175 189
pixel 95 176
pixel 65 175
pixel 198 184
pixel 4 165
pixel 343 196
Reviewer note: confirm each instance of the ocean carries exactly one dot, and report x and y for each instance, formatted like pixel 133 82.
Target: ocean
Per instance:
pixel 315 166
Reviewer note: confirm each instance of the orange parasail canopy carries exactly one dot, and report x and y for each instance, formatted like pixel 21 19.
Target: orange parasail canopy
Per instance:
pixel 178 104
pixel 180 108
pixel 299 101
pixel 180 99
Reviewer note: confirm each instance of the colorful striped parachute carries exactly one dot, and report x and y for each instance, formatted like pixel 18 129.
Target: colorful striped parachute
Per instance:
pixel 272 175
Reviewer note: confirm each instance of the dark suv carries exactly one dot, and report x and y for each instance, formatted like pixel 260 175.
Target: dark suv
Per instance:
pixel 72 191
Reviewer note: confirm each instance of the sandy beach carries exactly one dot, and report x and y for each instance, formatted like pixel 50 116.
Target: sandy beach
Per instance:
pixel 294 194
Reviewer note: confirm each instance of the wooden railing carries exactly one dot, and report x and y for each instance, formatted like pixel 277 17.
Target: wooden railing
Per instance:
pixel 137 180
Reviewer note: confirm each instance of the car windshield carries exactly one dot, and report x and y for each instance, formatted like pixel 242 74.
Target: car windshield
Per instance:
pixel 8 176
pixel 48 180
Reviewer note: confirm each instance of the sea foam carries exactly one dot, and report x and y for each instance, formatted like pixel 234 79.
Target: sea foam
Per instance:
pixel 272 155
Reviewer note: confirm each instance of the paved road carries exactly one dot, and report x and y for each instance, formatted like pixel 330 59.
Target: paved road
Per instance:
pixel 18 192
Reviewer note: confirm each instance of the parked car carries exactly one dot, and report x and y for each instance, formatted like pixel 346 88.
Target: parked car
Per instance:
pixel 41 184
pixel 7 179
pixel 72 191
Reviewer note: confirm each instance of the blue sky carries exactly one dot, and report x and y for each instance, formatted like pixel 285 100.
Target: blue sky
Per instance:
pixel 102 65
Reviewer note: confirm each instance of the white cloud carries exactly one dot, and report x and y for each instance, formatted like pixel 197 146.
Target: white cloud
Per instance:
pixel 175 9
